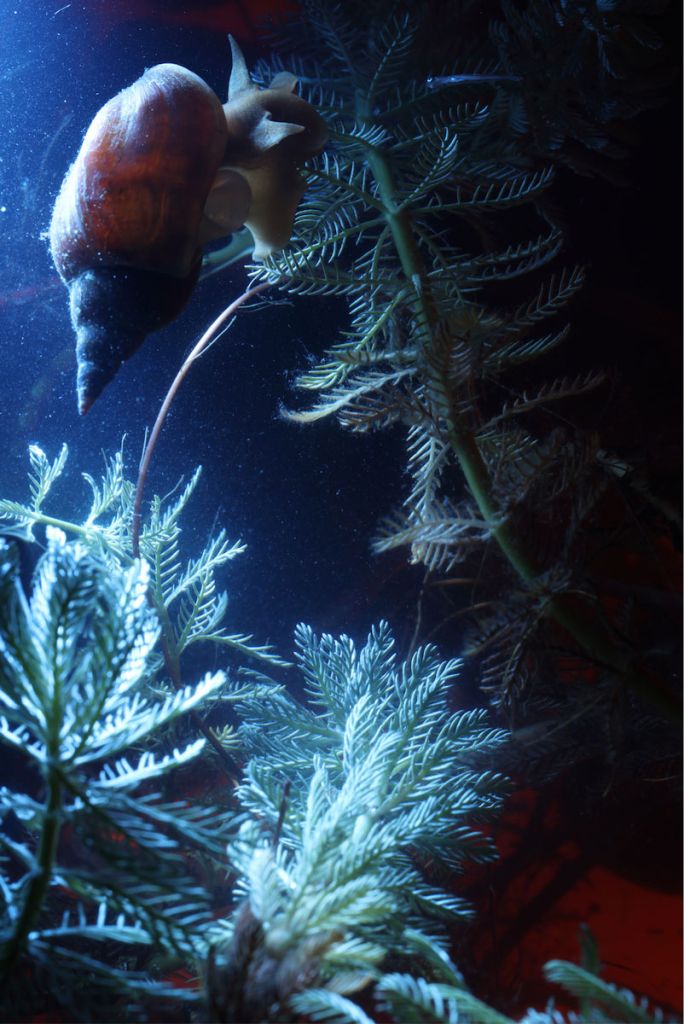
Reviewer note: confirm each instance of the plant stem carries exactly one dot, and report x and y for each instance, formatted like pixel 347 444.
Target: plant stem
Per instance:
pixel 208 336
pixel 40 879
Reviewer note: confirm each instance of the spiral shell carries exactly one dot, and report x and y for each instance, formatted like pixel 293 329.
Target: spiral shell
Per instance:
pixel 164 168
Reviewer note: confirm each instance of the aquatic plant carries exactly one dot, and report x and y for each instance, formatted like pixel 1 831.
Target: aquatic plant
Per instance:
pixel 184 591
pixel 377 775
pixel 447 1001
pixel 355 810
pixel 85 696
pixel 362 803
pixel 354 813
pixel 401 219
pixel 429 210
pixel 355 794
pixel 91 867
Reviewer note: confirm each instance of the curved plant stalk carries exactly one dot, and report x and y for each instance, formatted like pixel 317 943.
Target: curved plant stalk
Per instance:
pixel 208 336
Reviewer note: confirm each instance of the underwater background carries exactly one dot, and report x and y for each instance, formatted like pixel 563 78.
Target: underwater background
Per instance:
pixel 307 500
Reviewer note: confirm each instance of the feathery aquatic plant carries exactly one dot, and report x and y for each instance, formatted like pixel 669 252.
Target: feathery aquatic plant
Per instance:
pixel 347 805
pixel 84 687
pixel 91 866
pixel 428 203
pixel 413 1000
pixel 361 802
pixel 353 807
pixel 184 591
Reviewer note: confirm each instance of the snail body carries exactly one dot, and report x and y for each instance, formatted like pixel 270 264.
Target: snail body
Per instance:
pixel 271 132
pixel 163 169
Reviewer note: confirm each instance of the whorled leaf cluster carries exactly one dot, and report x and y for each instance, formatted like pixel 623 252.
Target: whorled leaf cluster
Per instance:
pixel 364 804
pixel 183 589
pixel 399 218
pixel 97 877
pixel 92 857
pixel 351 796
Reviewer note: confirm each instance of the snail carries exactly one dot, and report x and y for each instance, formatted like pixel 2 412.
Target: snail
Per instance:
pixel 165 168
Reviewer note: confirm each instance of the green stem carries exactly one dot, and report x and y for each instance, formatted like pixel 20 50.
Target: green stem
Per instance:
pixel 580 620
pixel 87 531
pixel 41 877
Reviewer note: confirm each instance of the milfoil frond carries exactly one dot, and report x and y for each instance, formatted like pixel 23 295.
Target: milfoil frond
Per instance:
pixel 553 295
pixel 392 46
pixel 553 391
pixel 517 190
pixel 375 770
pixel 516 260
pixel 75 667
pixel 363 403
pixel 109 490
pixel 601 997
pixel 439 533
pixel 43 473
pixel 190 607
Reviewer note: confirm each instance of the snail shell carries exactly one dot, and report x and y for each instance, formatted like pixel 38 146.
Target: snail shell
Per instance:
pixel 163 169
pixel 125 227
